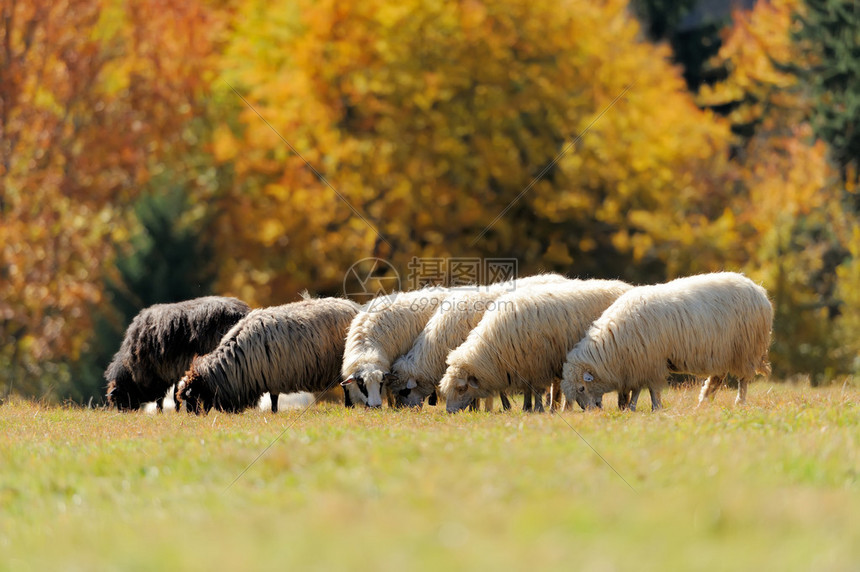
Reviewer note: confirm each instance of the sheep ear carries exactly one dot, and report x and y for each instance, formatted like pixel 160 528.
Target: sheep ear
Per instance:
pixel 411 384
pixel 389 377
pixel 587 377
pixel 347 381
pixel 473 382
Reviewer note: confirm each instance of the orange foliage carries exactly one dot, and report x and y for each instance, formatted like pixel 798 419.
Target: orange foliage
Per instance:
pixel 93 94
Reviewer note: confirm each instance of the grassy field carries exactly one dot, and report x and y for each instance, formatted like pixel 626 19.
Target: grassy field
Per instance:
pixel 771 485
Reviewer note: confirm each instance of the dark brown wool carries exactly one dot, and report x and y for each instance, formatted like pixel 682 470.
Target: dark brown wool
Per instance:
pixel 161 342
pixel 283 349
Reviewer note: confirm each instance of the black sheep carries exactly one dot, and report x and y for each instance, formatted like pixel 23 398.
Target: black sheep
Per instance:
pixel 161 342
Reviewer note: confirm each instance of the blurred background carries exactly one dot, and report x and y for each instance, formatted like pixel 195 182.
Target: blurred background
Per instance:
pixel 134 173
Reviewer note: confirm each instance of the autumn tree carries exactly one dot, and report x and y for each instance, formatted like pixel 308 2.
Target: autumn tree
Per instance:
pixel 829 38
pixel 429 120
pixel 756 52
pixel 93 96
pixel 787 224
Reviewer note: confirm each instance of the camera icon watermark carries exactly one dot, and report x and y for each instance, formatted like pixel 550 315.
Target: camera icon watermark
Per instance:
pixel 370 278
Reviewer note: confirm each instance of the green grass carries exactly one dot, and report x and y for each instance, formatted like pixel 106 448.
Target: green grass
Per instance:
pixel 772 485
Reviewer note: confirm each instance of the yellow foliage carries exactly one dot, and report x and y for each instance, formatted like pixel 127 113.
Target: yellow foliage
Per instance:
pixel 756 40
pixel 224 145
pixel 548 132
pixel 558 254
pixel 786 223
pixel 429 119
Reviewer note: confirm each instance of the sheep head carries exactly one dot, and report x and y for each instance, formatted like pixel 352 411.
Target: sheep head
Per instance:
pixel 365 387
pixel 460 388
pixel 409 394
pixel 581 385
pixel 122 391
pixel 402 382
pixel 195 394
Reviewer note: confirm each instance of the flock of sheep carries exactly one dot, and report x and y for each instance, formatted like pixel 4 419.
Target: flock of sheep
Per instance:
pixel 582 338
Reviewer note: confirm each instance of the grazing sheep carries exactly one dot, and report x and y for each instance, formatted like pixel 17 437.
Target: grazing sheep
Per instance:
pixel 283 349
pixel 711 324
pixel 522 345
pixel 160 343
pixel 383 331
pixel 415 375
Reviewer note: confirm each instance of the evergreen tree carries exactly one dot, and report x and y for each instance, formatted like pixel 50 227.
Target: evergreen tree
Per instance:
pixel 661 18
pixel 691 27
pixel 830 37
pixel 168 260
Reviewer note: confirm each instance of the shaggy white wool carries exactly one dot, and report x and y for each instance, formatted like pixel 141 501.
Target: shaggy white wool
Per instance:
pixel 418 372
pixel 523 345
pixel 384 330
pixel 705 325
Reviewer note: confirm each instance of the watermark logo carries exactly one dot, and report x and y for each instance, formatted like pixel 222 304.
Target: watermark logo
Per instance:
pixel 375 281
pixel 370 278
pixel 460 273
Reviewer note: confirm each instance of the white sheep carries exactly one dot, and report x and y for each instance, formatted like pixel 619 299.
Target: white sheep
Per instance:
pixel 415 375
pixel 522 345
pixel 384 330
pixel 706 325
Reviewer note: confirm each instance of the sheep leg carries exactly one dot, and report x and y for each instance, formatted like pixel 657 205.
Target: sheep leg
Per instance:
pixel 506 403
pixel 742 391
pixel 274 397
pixel 539 402
pixel 554 397
pixel 473 406
pixel 159 404
pixel 711 385
pixel 656 401
pixel 488 404
pixel 623 400
pixel 634 399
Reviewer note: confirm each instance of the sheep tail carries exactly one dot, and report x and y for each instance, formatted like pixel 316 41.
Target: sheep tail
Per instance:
pixel 763 368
